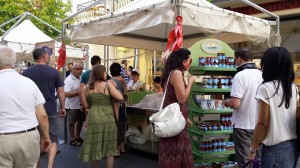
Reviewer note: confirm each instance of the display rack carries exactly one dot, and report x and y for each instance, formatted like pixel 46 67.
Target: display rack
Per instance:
pixel 197 112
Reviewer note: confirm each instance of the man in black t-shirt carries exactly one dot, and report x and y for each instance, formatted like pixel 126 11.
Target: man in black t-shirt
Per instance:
pixel 48 80
pixel 70 65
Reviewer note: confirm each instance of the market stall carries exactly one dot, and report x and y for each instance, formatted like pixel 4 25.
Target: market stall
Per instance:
pixel 146 24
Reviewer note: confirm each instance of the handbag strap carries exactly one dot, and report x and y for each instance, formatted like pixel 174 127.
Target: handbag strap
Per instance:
pixel 163 99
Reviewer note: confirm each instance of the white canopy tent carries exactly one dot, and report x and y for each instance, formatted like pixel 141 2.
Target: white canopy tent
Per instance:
pixel 26 35
pixel 146 24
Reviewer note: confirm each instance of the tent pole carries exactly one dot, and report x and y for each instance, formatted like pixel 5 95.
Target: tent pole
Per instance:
pixel 43 22
pixel 107 58
pixel 178 8
pixel 136 58
pixel 64 77
pixel 5 23
pixel 15 25
pixel 266 12
pixel 87 57
pixel 104 46
pixel 154 63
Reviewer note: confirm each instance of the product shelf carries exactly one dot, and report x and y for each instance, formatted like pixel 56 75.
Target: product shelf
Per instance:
pixel 196 131
pixel 200 70
pixel 200 154
pixel 216 111
pixel 208 114
pixel 196 89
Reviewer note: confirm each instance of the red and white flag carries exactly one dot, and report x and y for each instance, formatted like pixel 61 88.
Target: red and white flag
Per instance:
pixel 62 56
pixel 175 38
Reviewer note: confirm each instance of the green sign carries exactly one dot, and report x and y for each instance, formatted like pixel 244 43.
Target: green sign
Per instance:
pixel 212 46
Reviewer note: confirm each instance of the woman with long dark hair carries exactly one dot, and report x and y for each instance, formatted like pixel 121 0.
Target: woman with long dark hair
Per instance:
pixel 276 126
pixel 176 152
pixel 101 135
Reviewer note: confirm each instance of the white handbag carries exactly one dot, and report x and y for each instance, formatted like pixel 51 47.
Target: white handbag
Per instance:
pixel 168 122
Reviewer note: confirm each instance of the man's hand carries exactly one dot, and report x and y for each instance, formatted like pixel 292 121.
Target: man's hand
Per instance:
pixel 45 143
pixel 62 112
pixel 225 102
pixel 251 157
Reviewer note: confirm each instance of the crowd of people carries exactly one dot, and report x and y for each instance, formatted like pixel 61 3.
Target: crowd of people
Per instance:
pixel 265 107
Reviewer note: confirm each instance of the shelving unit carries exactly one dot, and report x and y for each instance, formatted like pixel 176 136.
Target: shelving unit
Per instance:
pixel 196 111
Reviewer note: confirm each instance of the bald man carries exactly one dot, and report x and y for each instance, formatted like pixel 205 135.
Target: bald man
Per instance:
pixel 72 104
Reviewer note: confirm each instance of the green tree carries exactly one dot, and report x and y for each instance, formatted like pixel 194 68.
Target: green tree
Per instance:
pixel 50 11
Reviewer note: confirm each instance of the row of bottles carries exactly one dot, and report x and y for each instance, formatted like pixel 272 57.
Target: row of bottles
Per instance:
pixel 220 61
pixel 217 82
pixel 209 126
pixel 216 145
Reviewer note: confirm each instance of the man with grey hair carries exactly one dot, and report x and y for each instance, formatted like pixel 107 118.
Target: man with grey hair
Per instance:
pixel 72 104
pixel 21 111
pixel 48 80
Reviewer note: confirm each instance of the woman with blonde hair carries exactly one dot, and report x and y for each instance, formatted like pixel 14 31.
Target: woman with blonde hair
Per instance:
pixel 101 135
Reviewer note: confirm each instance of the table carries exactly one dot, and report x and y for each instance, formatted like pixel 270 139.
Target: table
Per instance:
pixel 149 146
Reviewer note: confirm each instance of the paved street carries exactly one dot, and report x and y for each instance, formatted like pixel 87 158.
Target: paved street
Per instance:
pixel 68 158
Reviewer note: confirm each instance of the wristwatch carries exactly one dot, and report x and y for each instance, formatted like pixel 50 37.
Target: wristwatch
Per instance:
pixel 252 151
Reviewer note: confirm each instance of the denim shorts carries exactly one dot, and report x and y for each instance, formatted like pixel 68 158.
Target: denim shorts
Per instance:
pixel 53 128
pixel 282 155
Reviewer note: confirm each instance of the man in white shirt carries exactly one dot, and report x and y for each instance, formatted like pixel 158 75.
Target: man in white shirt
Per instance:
pixel 72 104
pixel 135 83
pixel 21 111
pixel 244 88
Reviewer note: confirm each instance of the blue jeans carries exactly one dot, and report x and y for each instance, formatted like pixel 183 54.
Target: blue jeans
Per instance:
pixel 282 155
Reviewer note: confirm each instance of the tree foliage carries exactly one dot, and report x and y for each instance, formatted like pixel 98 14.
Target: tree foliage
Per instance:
pixel 50 11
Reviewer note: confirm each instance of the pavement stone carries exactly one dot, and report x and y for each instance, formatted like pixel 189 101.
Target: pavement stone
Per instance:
pixel 69 157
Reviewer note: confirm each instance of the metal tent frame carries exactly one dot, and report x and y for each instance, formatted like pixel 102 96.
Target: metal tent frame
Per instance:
pixel 19 19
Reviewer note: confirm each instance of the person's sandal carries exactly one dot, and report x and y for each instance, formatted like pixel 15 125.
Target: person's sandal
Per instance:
pixel 74 143
pixel 122 150
pixel 117 155
pixel 79 140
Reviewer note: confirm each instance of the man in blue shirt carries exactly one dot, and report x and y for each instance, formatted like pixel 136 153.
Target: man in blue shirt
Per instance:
pixel 48 80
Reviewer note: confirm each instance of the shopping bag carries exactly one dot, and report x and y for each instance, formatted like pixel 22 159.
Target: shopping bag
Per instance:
pixel 253 164
pixel 168 122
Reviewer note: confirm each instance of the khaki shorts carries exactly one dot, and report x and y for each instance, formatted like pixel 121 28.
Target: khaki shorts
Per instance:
pixel 75 115
pixel 20 150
